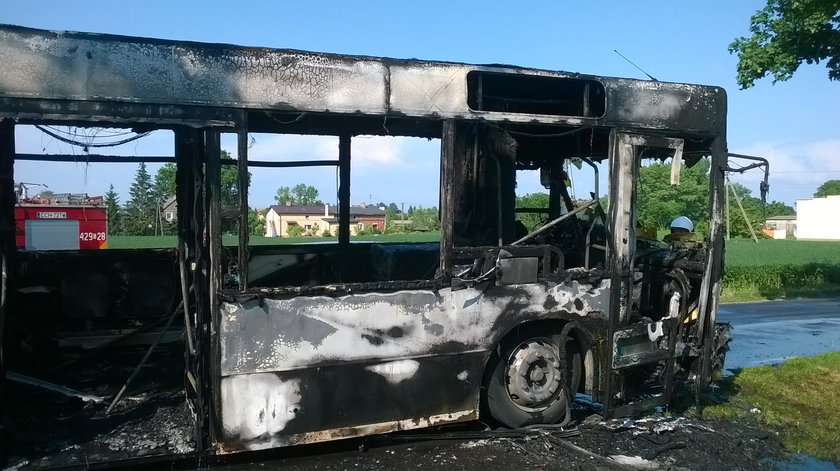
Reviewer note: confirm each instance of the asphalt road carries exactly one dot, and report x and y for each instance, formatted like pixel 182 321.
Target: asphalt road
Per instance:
pixel 770 332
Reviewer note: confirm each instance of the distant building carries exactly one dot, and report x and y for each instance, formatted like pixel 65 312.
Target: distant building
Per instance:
pixel 780 227
pixel 317 219
pixel 169 209
pixel 817 218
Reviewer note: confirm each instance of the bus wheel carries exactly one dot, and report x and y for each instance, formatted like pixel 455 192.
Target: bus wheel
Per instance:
pixel 529 382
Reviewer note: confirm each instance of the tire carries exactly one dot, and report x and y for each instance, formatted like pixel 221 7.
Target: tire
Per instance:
pixel 528 381
pixel 574 366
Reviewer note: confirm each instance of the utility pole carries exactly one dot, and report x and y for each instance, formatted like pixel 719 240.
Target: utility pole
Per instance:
pixel 726 205
pixel 743 213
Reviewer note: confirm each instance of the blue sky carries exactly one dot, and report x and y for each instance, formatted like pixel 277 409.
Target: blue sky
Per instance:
pixel 793 123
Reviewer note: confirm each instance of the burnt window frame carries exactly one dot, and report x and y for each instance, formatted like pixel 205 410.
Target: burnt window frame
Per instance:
pixel 535 94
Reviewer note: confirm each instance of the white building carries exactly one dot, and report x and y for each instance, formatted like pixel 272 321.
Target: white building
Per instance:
pixel 780 227
pixel 817 218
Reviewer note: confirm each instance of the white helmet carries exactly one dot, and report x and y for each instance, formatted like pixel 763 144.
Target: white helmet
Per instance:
pixel 682 222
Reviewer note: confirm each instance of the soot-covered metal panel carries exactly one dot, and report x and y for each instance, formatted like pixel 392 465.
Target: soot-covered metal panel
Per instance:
pixel 265 335
pixel 60 65
pixel 305 369
pixel 428 88
pixel 84 68
pixel 666 105
pixel 276 409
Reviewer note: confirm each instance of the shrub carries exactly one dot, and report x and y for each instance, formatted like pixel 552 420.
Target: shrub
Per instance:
pixel 369 230
pixel 776 280
pixel 294 230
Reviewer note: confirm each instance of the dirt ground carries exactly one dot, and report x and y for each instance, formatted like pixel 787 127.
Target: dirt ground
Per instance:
pixel 56 431
pixel 656 442
pixel 153 421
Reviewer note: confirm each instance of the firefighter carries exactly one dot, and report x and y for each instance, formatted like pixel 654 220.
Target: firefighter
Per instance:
pixel 682 232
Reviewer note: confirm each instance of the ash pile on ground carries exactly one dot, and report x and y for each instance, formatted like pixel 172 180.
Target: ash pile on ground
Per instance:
pixel 656 442
pixel 146 426
pixel 48 429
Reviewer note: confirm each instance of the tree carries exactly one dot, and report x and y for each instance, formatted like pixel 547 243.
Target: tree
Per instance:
pixel 831 187
pixel 112 204
pixel 658 202
pixel 777 208
pixel 424 219
pixel 300 195
pixel 752 206
pixel 256 222
pixel 392 213
pixel 532 200
pixel 786 33
pixel 141 207
pixel 284 196
pixel 230 183
pixel 164 186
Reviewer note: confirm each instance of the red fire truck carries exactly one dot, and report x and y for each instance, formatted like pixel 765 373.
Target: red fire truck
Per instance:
pixel 61 222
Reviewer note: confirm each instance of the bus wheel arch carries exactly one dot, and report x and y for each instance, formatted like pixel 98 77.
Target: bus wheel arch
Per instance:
pixel 533 373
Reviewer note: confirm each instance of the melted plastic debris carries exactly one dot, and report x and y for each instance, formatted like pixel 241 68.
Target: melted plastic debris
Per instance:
pixel 636 462
pixel 476 443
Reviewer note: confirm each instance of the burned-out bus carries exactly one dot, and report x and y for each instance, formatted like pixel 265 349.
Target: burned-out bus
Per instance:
pixel 294 344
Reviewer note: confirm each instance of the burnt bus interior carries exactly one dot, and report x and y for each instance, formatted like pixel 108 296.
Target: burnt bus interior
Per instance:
pixel 84 319
pixel 82 329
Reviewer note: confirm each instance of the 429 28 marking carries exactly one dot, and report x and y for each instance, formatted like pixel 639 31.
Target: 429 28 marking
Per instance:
pixel 91 236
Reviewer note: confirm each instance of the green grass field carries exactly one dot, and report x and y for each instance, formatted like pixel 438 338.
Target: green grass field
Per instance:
pixel 745 252
pixel 779 269
pixel 156 242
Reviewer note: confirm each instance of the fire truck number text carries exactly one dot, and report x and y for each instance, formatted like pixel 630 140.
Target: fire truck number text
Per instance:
pixel 91 236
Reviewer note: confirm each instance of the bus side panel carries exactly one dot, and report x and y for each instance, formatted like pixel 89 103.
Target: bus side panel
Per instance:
pixel 263 410
pixel 372 362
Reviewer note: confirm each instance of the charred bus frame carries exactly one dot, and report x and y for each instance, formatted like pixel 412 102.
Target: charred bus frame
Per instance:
pixel 292 344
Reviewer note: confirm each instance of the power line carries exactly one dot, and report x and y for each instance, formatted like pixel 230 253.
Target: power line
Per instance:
pixel 805 171
pixel 86 145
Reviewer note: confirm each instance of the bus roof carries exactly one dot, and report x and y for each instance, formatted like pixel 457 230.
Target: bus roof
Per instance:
pixel 95 78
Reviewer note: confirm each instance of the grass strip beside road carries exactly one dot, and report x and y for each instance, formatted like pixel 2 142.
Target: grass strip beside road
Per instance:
pixel 800 398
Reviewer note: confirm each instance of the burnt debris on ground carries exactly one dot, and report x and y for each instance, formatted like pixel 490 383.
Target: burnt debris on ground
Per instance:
pixel 655 442
pixel 155 423
pixel 54 427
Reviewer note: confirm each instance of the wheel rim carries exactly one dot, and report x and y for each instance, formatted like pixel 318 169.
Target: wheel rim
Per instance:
pixel 534 375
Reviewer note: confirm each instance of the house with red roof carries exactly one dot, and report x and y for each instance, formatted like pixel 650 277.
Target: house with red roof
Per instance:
pixel 315 220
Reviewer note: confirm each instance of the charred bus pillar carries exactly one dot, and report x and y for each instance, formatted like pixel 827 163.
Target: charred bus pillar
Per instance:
pixel 479 169
pixel 714 345
pixel 7 250
pixel 197 153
